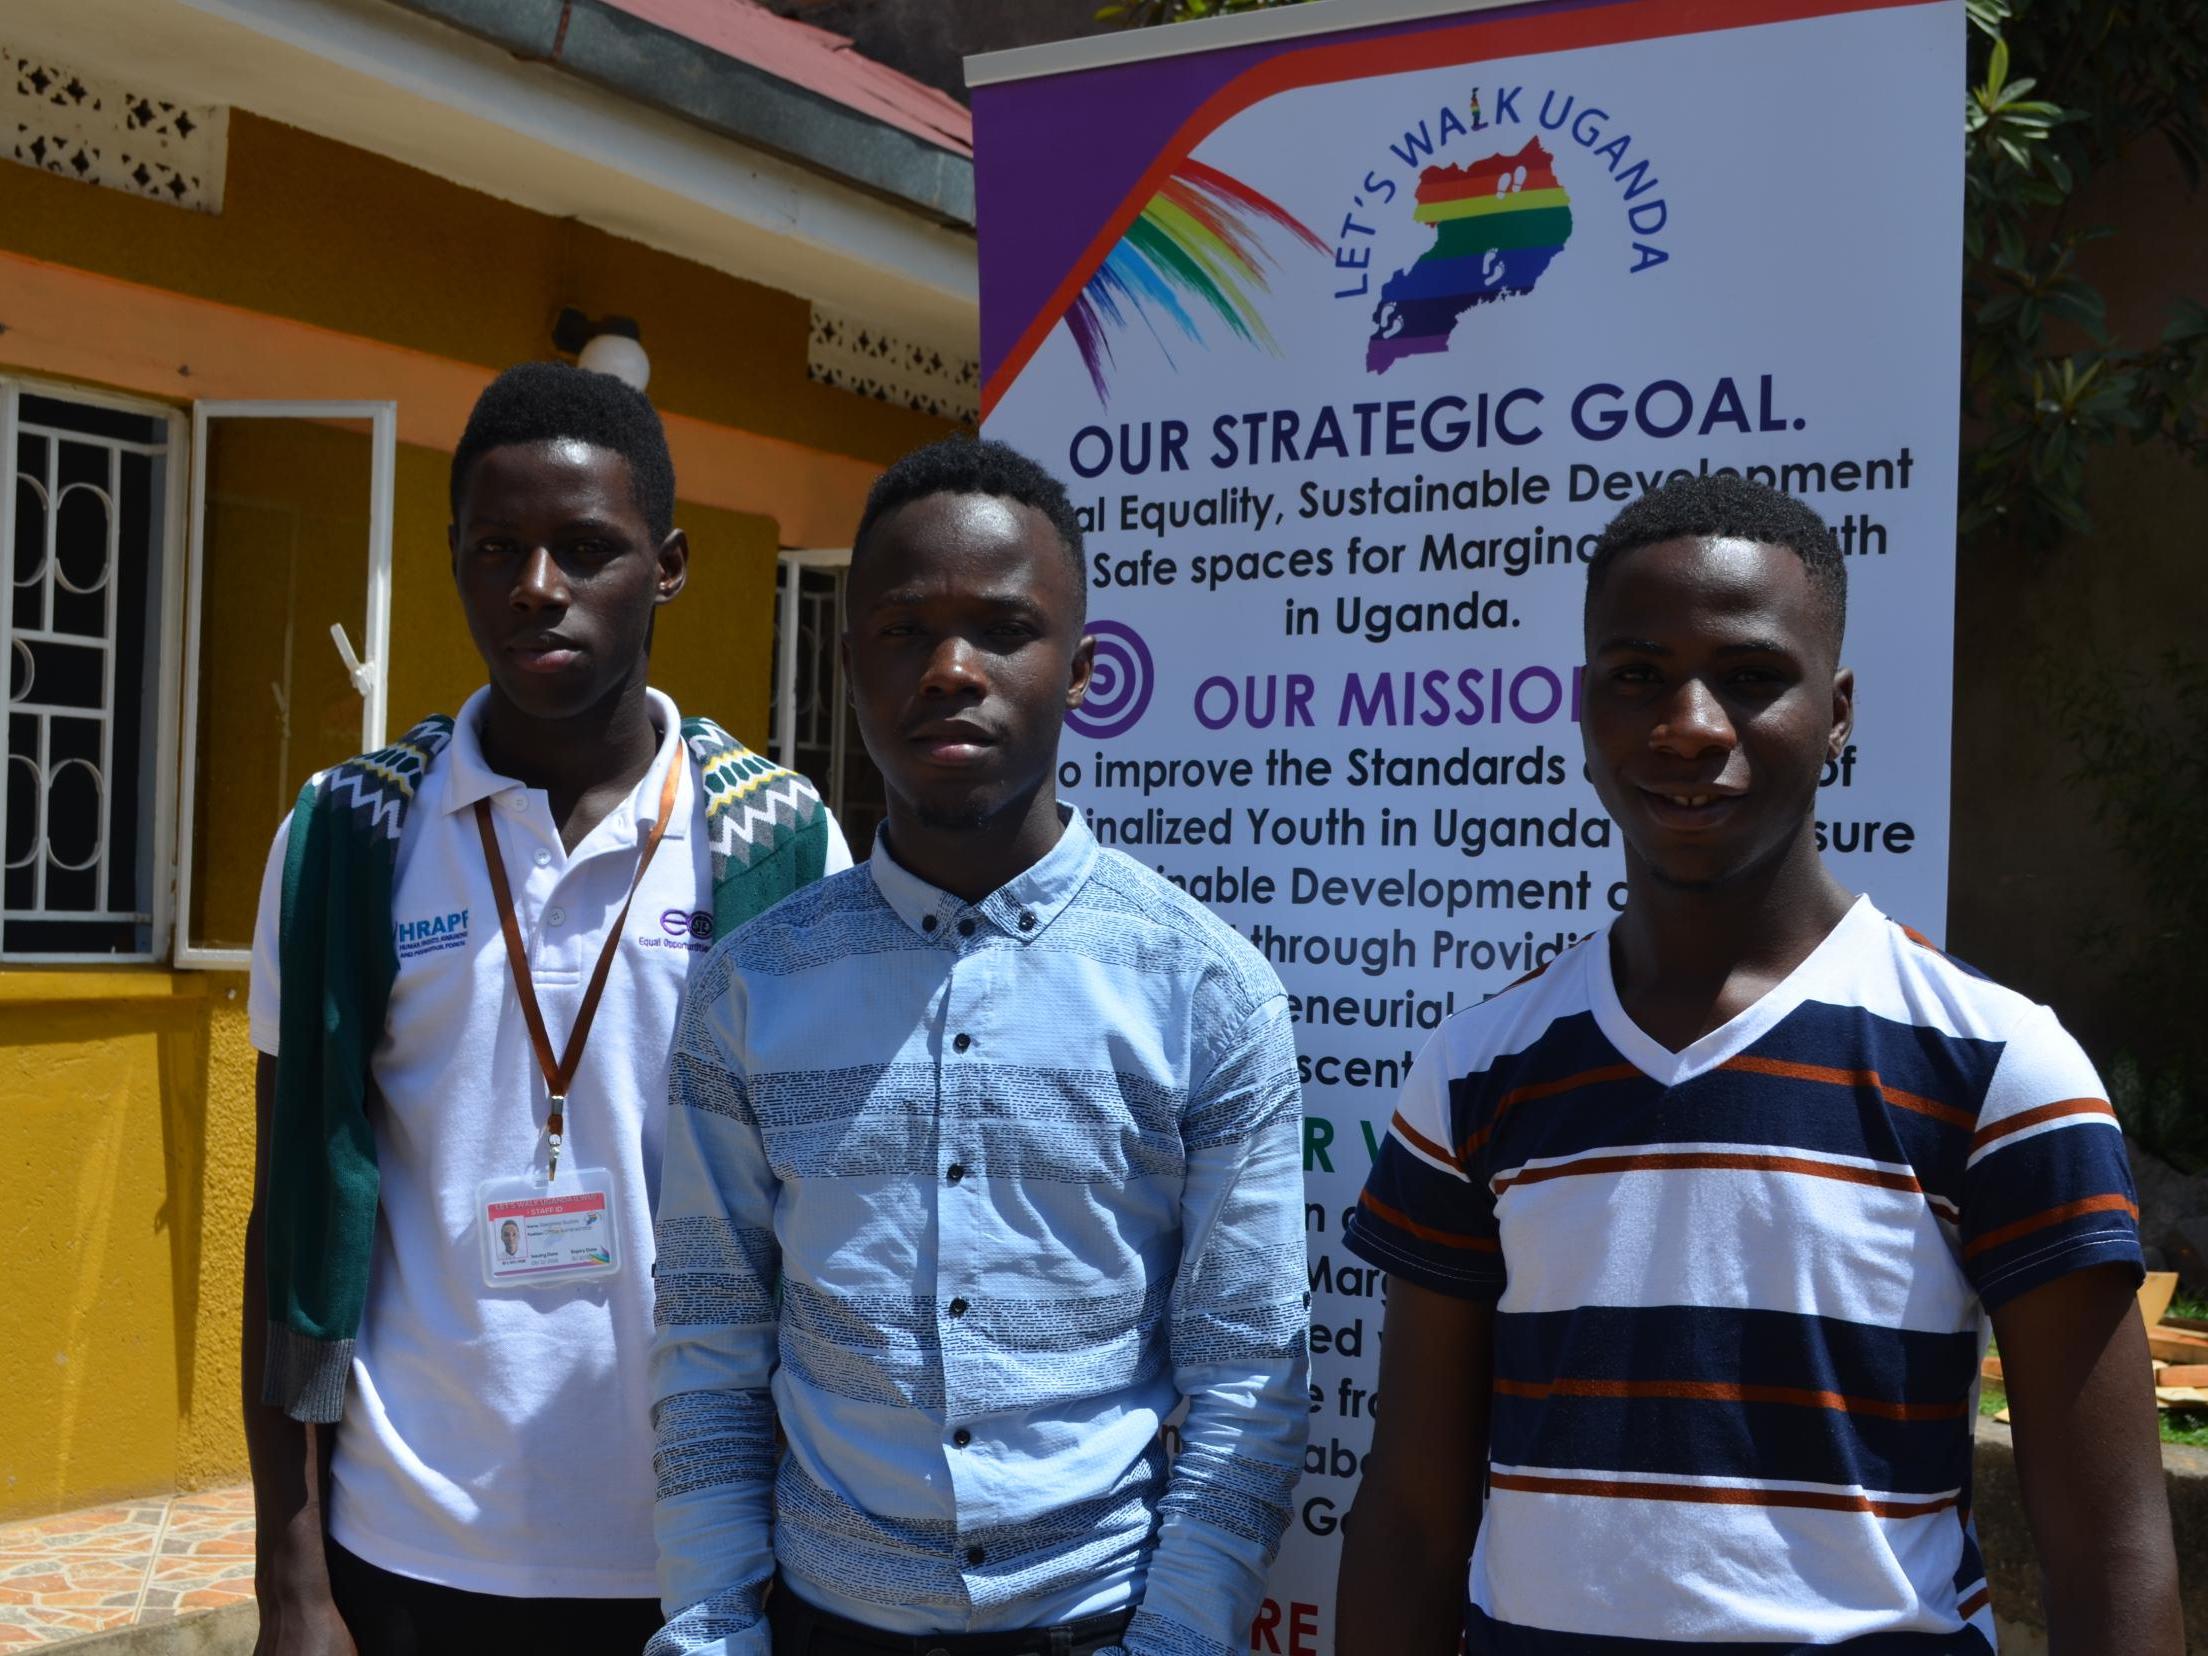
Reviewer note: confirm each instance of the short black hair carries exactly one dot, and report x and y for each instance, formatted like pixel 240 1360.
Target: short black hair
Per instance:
pixel 545 402
pixel 1727 506
pixel 980 466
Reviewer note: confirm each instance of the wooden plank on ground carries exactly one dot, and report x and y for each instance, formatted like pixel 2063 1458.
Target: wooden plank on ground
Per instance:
pixel 2178 1345
pixel 2155 1294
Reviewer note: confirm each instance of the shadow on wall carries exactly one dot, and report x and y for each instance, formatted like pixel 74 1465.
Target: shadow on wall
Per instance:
pixel 119 1191
pixel 182 1055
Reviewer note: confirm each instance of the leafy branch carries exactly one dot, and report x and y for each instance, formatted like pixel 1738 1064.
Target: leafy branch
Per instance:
pixel 2044 383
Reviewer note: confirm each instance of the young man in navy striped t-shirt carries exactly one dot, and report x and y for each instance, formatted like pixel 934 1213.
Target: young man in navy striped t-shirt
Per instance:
pixel 1692 1237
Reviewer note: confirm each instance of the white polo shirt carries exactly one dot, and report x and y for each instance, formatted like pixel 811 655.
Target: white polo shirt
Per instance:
pixel 499 1440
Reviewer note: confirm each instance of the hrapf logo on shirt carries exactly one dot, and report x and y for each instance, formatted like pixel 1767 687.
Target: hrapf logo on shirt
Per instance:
pixel 431 934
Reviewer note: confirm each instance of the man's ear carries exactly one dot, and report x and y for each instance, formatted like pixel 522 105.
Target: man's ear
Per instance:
pixel 452 547
pixel 674 567
pixel 1084 669
pixel 1843 709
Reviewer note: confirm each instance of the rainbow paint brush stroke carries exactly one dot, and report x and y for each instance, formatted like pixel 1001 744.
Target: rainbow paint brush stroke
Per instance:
pixel 1196 247
pixel 1497 224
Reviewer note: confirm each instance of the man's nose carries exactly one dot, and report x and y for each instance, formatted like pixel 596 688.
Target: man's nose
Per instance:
pixel 540 583
pixel 1694 723
pixel 954 668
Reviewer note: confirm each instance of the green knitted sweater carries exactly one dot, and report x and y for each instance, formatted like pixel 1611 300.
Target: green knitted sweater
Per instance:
pixel 769 836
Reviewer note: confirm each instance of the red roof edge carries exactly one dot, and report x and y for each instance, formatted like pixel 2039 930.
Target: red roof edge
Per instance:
pixel 819 61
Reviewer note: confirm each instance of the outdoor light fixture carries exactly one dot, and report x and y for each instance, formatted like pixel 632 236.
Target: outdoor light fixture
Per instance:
pixel 609 345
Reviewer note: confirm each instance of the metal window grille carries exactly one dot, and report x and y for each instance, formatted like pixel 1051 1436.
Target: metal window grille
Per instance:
pixel 811 727
pixel 86 546
pixel 805 725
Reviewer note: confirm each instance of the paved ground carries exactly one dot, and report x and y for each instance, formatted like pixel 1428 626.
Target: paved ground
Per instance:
pixel 134 1564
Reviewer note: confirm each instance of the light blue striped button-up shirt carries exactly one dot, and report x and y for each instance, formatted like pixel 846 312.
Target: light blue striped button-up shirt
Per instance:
pixel 972 1196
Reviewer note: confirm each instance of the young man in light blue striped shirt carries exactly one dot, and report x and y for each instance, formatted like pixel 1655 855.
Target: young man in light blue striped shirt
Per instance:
pixel 983 1158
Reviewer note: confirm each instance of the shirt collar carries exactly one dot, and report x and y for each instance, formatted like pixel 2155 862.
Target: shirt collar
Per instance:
pixel 1022 908
pixel 468 776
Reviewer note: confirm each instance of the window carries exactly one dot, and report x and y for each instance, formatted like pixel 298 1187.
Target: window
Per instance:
pixel 811 728
pixel 286 616
pixel 88 546
pixel 161 710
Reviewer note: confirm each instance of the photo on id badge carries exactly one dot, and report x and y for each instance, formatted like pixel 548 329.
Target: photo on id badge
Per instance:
pixel 538 1234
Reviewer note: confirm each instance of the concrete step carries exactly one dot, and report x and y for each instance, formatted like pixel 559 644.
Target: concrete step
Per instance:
pixel 229 1631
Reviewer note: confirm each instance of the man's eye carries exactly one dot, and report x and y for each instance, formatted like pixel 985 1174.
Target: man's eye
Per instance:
pixel 1636 673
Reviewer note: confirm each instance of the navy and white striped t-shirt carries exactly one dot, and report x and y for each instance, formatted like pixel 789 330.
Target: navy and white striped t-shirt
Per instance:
pixel 1741 1289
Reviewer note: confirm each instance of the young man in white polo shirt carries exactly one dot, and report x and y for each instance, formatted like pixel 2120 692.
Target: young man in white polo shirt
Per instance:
pixel 471 950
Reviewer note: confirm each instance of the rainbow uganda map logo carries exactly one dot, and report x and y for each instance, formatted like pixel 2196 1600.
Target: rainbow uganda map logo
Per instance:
pixel 1497 224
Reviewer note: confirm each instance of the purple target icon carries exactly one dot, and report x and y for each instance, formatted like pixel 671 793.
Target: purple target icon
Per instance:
pixel 1119 690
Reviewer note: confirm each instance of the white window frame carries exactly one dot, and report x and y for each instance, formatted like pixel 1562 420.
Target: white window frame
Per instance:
pixel 367 666
pixel 794 563
pixel 169 570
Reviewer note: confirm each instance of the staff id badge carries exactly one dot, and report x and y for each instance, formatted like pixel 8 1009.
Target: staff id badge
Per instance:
pixel 537 1234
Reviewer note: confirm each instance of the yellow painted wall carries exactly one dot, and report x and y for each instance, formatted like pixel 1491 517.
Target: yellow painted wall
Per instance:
pixel 126 1170
pixel 126 1155
pixel 286 543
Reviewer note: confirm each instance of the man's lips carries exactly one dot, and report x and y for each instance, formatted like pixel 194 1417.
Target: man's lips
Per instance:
pixel 543 655
pixel 1689 806
pixel 953 744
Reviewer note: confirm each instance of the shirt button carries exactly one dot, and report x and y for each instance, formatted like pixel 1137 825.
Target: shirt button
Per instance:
pixel 555 917
pixel 955 1172
pixel 927 922
pixel 974 1555
pixel 1027 922
pixel 962 1437
pixel 965 928
pixel 961 1043
pixel 957 1308
pixel 544 857
pixel 514 800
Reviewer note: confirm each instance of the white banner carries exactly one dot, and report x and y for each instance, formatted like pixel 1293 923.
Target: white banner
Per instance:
pixel 1347 368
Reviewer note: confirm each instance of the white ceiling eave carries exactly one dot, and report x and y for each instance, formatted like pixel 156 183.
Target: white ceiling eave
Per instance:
pixel 387 81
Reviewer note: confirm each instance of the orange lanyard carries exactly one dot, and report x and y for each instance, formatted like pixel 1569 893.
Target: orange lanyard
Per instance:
pixel 559 1074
